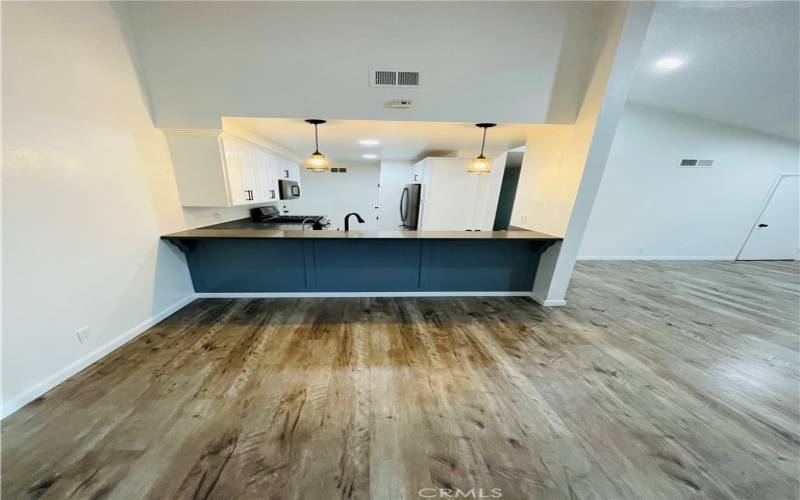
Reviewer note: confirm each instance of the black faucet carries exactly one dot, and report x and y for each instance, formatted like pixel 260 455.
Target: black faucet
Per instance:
pixel 347 220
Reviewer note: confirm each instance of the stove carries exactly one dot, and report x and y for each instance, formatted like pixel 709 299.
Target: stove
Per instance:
pixel 271 215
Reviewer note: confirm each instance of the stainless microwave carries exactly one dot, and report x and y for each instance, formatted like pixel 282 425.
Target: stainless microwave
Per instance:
pixel 289 190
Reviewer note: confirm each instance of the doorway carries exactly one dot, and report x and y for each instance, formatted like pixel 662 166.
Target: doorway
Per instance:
pixel 775 234
pixel 508 191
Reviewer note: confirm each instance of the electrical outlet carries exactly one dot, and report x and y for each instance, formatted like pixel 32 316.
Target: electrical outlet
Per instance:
pixel 83 334
pixel 641 250
pixel 524 218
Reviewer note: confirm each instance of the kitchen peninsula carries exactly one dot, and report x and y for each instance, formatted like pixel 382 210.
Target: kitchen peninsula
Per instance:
pixel 245 257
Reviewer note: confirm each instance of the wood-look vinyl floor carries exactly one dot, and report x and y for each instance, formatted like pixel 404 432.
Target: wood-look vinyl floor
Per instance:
pixel 659 380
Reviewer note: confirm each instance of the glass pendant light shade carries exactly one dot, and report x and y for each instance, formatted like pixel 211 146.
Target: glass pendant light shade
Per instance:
pixel 481 165
pixel 317 161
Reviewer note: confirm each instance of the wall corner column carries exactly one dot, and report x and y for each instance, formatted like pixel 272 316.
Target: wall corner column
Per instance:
pixel 588 145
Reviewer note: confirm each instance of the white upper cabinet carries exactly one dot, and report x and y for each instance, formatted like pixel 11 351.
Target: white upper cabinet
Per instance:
pixel 289 170
pixel 267 172
pixel 219 170
pixel 240 165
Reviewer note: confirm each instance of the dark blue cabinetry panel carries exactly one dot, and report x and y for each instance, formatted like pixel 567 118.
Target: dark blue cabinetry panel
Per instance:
pixel 222 265
pixel 366 266
pixel 485 265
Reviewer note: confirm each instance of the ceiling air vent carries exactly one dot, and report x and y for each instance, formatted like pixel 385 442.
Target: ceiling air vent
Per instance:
pixel 386 78
pixel 696 163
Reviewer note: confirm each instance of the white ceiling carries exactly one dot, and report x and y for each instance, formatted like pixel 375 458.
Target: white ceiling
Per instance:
pixel 399 140
pixel 513 62
pixel 741 63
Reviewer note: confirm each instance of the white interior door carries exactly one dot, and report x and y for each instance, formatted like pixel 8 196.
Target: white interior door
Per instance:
pixel 776 233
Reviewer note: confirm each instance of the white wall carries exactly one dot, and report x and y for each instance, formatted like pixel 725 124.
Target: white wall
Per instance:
pixel 393 178
pixel 561 175
pixel 546 190
pixel 337 194
pixel 87 190
pixel 649 208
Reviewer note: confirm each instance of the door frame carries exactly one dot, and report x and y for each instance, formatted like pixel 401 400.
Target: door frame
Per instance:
pixel 763 207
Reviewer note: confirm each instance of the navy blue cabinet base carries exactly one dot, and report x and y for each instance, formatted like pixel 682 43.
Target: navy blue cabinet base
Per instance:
pixel 326 264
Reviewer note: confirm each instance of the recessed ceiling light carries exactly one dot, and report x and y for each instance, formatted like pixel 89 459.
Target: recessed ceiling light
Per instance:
pixel 369 156
pixel 369 142
pixel 669 63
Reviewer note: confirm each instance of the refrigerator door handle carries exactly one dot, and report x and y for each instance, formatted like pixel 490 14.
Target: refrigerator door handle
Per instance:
pixel 403 213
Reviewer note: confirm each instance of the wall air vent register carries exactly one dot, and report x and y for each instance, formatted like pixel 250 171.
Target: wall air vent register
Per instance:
pixel 688 163
pixel 394 79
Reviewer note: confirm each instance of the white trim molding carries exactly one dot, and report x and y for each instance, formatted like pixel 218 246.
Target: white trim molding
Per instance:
pixel 658 257
pixel 40 388
pixel 266 295
pixel 549 302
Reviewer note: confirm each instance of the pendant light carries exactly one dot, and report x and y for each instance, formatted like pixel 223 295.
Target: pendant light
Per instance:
pixel 317 161
pixel 481 165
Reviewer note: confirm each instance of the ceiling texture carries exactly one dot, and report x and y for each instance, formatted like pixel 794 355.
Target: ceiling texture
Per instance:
pixel 741 63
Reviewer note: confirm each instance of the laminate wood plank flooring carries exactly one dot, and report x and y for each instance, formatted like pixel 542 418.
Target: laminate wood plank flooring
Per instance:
pixel 659 380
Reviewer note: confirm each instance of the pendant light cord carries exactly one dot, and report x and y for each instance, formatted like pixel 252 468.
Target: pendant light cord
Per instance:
pixel 316 139
pixel 483 142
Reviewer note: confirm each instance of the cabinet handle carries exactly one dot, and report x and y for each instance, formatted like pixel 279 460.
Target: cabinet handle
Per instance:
pixel 272 193
pixel 286 173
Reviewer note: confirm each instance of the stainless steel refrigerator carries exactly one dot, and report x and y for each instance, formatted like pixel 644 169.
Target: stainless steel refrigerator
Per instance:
pixel 409 206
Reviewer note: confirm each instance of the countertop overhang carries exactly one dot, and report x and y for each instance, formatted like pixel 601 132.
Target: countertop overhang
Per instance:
pixel 247 257
pixel 250 233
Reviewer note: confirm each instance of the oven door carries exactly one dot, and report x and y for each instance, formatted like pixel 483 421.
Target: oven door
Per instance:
pixel 289 190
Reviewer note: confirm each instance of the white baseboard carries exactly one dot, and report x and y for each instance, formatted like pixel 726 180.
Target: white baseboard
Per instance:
pixel 549 302
pixel 657 257
pixel 255 295
pixel 76 366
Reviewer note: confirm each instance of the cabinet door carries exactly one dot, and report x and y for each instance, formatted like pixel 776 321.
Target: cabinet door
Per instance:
pixel 271 172
pixel 289 169
pixel 236 175
pixel 247 158
pixel 266 183
pixel 243 173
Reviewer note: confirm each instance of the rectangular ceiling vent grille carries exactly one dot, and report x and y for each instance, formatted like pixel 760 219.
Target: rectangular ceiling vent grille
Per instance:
pixel 386 78
pixel 687 163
